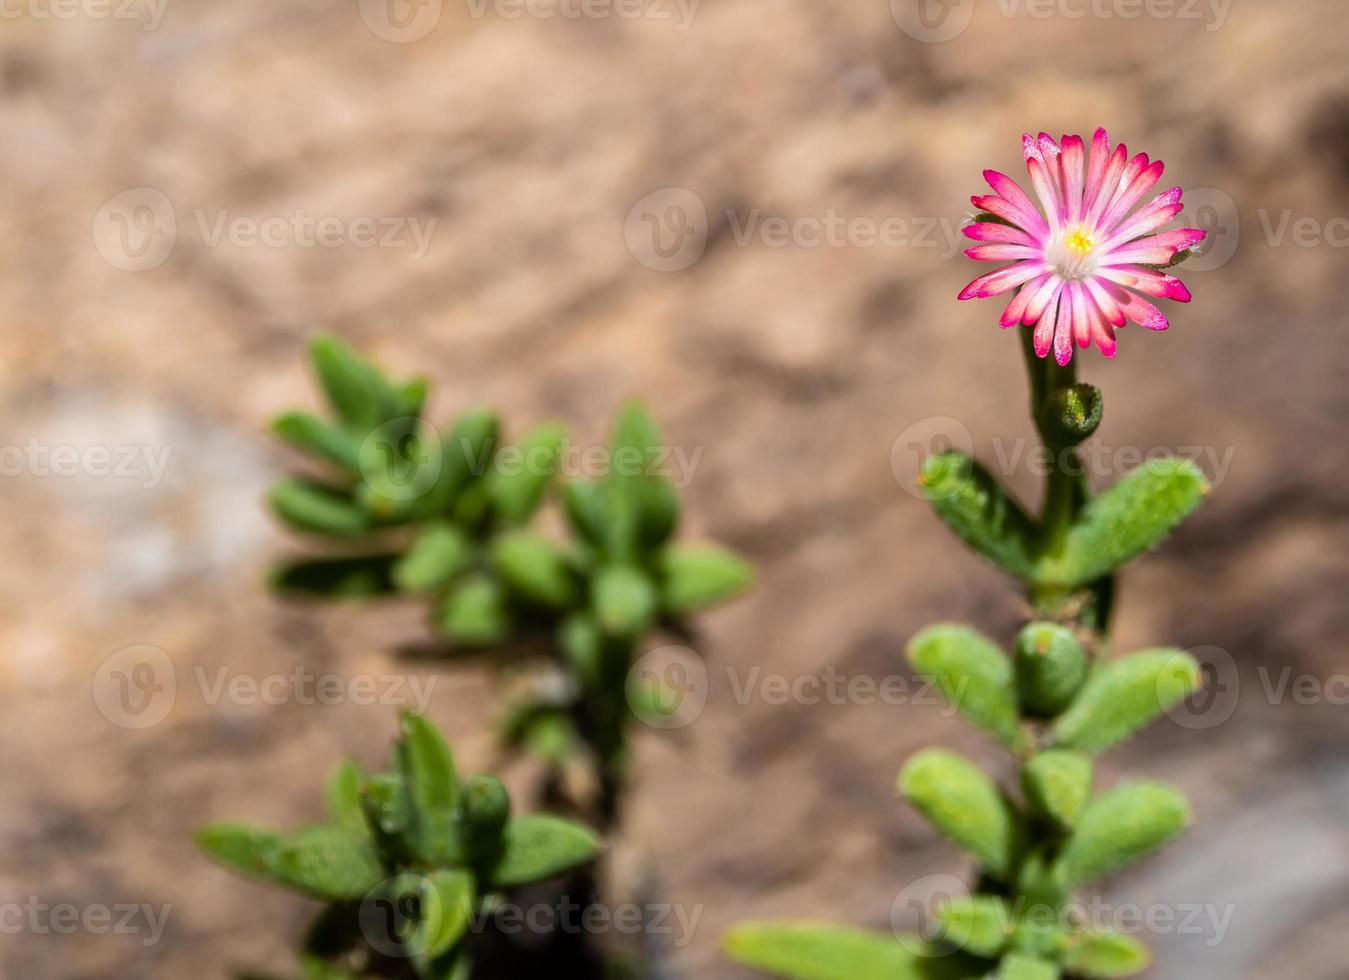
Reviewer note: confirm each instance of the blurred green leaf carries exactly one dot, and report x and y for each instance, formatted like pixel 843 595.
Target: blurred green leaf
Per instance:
pixel 974 676
pixel 966 806
pixel 1107 955
pixel 317 508
pixel 312 435
pixel 355 389
pixel 324 862
pixel 536 568
pixel 466 453
pixel 818 951
pixel 1122 696
pixel 584 505
pixel 695 577
pixel 447 900
pixel 519 480
pixel 981 513
pixel 978 924
pixel 1136 514
pixel 1057 784
pixel 1020 966
pixel 344 796
pixel 581 642
pixel 625 600
pixel 427 765
pixel 440 552
pixel 1051 666
pixel 474 612
pixel 657 511
pixel 538 847
pixel 1119 827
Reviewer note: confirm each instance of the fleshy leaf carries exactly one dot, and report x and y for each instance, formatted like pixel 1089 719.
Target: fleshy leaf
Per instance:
pixel 625 600
pixel 317 508
pixel 466 453
pixel 1122 696
pixel 965 805
pixel 1020 966
pixel 344 796
pixel 440 552
pixel 536 568
pixel 819 951
pixel 474 612
pixel 1107 955
pixel 427 765
pixel 446 906
pixel 584 504
pixel 312 435
pixel 1051 666
pixel 981 513
pixel 518 482
pixel 978 924
pixel 354 387
pixel 1136 514
pixel 973 674
pixel 694 577
pixel 1057 784
pixel 538 847
pixel 1119 827
pixel 327 862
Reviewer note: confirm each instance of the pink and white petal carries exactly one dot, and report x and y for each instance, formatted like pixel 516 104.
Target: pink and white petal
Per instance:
pixel 992 231
pixel 1081 310
pixel 1006 187
pixel 1104 335
pixel 1138 310
pixel 1051 153
pixel 1110 183
pixel 1063 333
pixel 1148 218
pixel 1031 222
pixel 1002 280
pixel 1150 282
pixel 1154 249
pixel 1073 163
pixel 1105 303
pixel 1096 164
pixel 1042 298
pixel 1003 252
pixel 1133 192
pixel 1043 338
pixel 1011 316
pixel 1045 191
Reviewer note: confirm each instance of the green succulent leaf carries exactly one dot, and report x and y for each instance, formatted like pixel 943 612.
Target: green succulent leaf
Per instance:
pixel 239 847
pixel 819 951
pixel 1122 696
pixel 695 577
pixel 440 552
pixel 317 508
pixel 965 805
pixel 330 862
pixel 625 600
pixel 344 796
pixel 980 512
pixel 1121 826
pixel 359 577
pixel 447 901
pixel 978 924
pixel 1020 966
pixel 1136 514
pixel 427 765
pixel 657 511
pixel 356 390
pixel 635 451
pixel 973 675
pixel 517 489
pixel 583 502
pixel 312 435
pixel 1051 666
pixel 1057 785
pixel 466 453
pixel 1107 955
pixel 537 847
pixel 582 643
pixel 475 612
pixel 536 568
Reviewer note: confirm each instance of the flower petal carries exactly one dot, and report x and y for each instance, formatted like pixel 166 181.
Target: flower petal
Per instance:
pixel 1114 170
pixel 1011 316
pixel 1003 252
pixel 1140 311
pixel 1072 163
pixel 991 231
pixel 1150 282
pixel 1043 338
pixel 1002 280
pixel 1041 299
pixel 1105 303
pixel 1097 161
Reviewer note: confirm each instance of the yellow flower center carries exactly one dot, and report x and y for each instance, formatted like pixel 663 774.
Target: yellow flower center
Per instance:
pixel 1079 241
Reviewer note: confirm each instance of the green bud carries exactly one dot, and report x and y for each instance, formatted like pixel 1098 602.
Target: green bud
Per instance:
pixel 1050 668
pixel 487 805
pixel 1071 414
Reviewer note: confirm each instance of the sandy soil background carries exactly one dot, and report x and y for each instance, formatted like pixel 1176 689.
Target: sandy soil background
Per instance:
pixel 801 373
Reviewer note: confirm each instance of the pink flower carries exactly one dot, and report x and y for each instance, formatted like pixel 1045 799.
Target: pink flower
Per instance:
pixel 1081 259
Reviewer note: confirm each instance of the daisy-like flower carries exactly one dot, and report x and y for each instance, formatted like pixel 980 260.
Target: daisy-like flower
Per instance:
pixel 1085 259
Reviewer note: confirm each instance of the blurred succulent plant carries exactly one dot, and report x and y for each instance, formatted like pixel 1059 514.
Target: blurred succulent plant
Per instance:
pixel 409 863
pixel 1056 702
pixel 450 520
